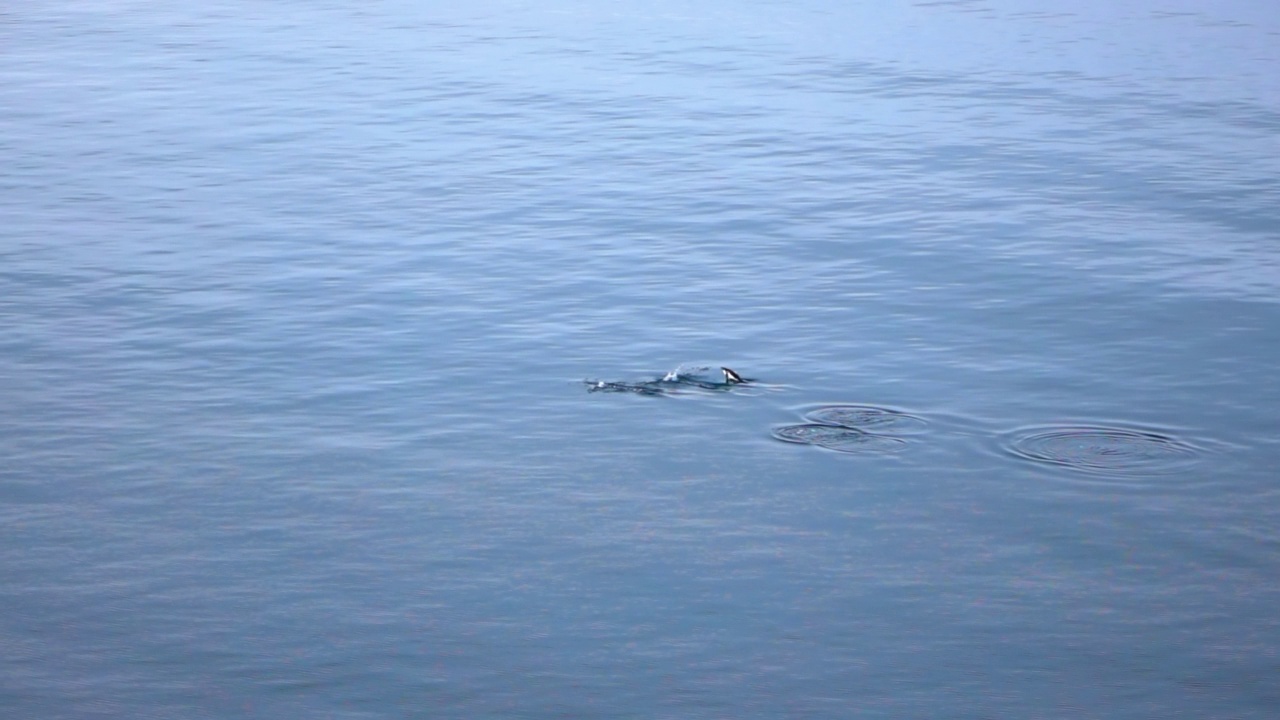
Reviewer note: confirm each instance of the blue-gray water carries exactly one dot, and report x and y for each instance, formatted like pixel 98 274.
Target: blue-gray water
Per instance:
pixel 298 298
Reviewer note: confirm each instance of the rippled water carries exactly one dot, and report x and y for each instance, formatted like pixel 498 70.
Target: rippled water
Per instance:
pixel 300 299
pixel 868 417
pixel 839 438
pixel 853 429
pixel 1113 451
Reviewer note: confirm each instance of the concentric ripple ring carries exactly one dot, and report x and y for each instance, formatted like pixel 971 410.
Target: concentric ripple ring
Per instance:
pixel 840 439
pixel 1104 450
pixel 867 417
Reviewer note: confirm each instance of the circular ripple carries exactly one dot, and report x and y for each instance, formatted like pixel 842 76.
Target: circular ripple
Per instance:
pixel 867 417
pixel 842 439
pixel 1104 450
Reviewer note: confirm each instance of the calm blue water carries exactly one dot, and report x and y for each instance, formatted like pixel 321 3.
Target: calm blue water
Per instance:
pixel 298 299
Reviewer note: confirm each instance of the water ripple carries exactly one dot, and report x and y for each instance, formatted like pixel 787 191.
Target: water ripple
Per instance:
pixel 867 417
pixel 1103 450
pixel 840 439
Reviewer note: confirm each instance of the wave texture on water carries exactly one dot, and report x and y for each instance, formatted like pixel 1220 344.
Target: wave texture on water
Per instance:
pixel 1104 450
pixel 840 439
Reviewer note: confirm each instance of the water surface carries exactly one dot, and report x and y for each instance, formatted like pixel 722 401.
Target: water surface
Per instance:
pixel 299 300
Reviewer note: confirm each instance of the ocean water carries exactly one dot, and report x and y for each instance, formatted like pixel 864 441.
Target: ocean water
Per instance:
pixel 299 300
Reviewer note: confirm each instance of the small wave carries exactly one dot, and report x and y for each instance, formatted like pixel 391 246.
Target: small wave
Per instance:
pixel 840 439
pixel 1103 450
